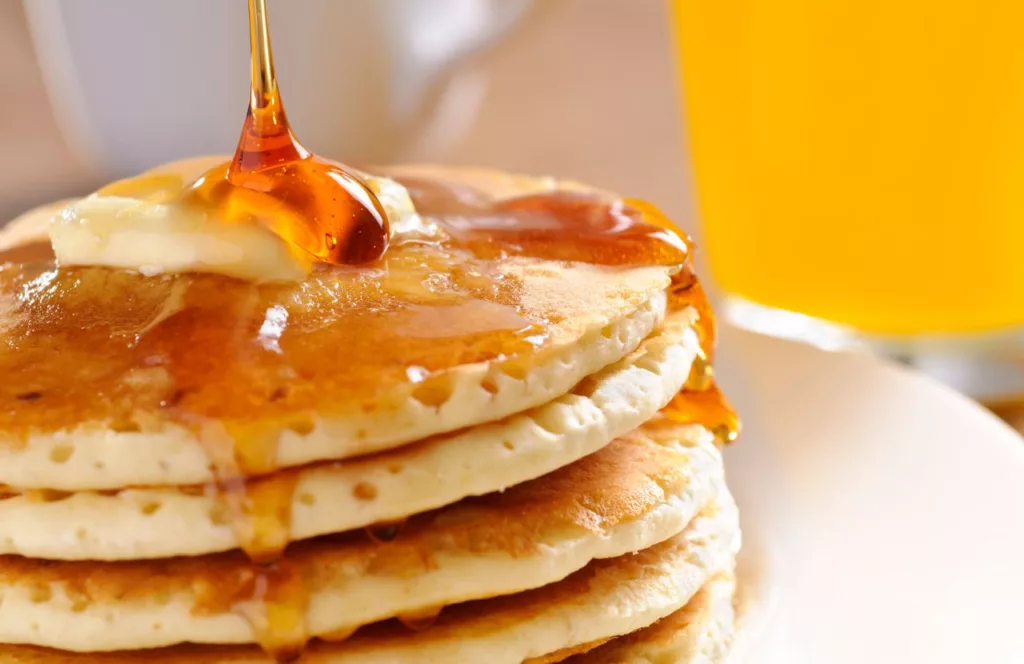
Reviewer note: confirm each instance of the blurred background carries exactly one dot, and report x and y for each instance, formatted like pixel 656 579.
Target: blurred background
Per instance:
pixel 581 88
pixel 855 167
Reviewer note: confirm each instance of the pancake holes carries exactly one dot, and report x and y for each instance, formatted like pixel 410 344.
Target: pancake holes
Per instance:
pixel 35 627
pixel 395 468
pixel 125 426
pixel 489 385
pixel 364 491
pixel 157 627
pixel 306 498
pixel 29 396
pixel 361 434
pixel 99 465
pixel 509 445
pixel 550 424
pixel 39 594
pixel 61 452
pixel 81 534
pixel 516 369
pixel 433 392
pixel 302 426
pixel 648 363
pixel 150 507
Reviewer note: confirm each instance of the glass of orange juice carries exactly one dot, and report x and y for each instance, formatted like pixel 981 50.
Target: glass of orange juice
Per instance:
pixel 859 169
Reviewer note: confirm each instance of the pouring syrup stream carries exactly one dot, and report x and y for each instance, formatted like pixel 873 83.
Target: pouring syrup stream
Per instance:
pixel 313 203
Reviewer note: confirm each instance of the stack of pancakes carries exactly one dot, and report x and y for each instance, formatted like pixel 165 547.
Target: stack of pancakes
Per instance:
pixel 400 464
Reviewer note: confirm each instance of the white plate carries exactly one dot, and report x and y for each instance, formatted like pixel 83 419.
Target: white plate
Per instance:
pixel 883 513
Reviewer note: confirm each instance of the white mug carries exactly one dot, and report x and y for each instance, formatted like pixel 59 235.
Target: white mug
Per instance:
pixel 135 83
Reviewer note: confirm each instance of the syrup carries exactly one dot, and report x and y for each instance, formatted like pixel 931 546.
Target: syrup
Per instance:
pixel 276 605
pixel 313 203
pixel 590 228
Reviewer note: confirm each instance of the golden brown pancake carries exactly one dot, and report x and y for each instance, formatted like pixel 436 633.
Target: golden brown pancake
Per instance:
pixel 607 598
pixel 639 490
pixel 701 633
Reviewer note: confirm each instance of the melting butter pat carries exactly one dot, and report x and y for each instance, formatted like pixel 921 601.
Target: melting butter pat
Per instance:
pixel 159 238
pixel 127 226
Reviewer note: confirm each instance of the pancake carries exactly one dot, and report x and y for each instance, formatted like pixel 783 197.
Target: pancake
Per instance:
pixel 340 496
pixel 179 379
pixel 125 436
pixel 607 598
pixel 699 633
pixel 641 489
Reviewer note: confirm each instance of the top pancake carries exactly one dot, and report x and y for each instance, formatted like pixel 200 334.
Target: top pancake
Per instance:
pixel 164 377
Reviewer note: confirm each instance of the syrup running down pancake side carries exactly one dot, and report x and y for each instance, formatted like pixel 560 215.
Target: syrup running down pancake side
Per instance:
pixel 588 227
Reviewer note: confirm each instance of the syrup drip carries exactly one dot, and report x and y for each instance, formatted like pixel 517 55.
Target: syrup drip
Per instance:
pixel 701 401
pixel 276 608
pixel 277 600
pixel 707 407
pixel 313 203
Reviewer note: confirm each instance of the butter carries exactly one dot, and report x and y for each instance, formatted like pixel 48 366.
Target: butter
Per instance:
pixel 141 224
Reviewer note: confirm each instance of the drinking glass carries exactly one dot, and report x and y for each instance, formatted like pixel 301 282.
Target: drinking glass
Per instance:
pixel 859 172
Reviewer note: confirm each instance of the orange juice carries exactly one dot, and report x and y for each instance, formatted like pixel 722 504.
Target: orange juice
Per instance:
pixel 861 161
